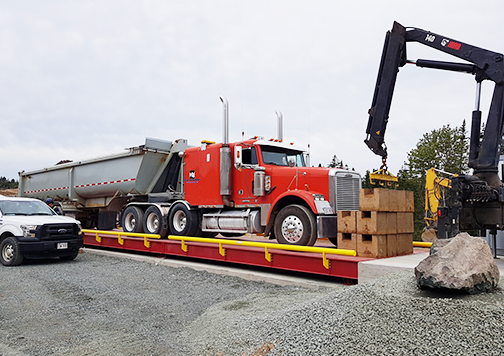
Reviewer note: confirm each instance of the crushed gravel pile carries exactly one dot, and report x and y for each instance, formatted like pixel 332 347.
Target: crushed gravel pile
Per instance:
pixel 99 305
pixel 388 316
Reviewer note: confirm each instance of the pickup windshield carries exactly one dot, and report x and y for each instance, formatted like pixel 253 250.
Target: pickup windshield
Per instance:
pixel 13 207
pixel 279 156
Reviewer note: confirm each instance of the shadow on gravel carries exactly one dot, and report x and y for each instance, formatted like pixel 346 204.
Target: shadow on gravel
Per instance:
pixel 446 293
pixel 44 261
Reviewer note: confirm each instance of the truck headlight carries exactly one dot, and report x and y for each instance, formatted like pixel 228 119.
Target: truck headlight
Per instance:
pixel 318 197
pixel 29 230
pixel 79 229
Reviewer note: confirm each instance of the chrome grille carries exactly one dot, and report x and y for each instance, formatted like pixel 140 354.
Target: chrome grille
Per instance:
pixel 345 186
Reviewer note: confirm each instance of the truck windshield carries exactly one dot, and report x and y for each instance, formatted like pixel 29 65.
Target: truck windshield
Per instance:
pixel 13 207
pixel 280 156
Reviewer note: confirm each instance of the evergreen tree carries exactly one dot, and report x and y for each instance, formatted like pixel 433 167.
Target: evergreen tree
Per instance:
pixel 446 149
pixel 8 184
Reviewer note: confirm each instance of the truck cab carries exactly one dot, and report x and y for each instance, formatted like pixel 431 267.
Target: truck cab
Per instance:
pixel 30 229
pixel 271 191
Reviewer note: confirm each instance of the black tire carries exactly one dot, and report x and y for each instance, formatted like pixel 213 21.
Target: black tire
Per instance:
pixel 209 234
pixel 182 221
pixel 69 257
pixel 231 234
pixel 296 225
pixel 154 222
pixel 334 241
pixel 10 254
pixel 132 219
pixel 88 224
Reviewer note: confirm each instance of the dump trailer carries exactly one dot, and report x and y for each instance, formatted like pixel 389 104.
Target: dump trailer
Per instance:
pixel 252 186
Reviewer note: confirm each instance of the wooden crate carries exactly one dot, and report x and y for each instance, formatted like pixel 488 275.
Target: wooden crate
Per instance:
pixel 392 245
pixel 347 221
pixel 405 223
pixel 409 201
pixel 380 199
pixel 371 245
pixel 347 241
pixel 404 244
pixel 376 222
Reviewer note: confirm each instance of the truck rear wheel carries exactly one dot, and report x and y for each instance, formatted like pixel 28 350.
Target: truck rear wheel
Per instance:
pixel 132 219
pixel 9 252
pixel 182 221
pixel 296 225
pixel 153 222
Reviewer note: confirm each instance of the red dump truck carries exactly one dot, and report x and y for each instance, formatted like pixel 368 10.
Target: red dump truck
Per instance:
pixel 251 186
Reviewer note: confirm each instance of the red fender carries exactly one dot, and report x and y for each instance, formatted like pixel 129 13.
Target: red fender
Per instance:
pixel 305 195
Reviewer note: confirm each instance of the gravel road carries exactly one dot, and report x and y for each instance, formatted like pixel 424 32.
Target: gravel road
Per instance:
pixel 102 305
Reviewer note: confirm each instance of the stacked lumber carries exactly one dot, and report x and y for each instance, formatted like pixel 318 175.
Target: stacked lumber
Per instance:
pixel 383 226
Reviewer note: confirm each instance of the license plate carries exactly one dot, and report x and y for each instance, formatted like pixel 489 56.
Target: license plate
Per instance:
pixel 62 245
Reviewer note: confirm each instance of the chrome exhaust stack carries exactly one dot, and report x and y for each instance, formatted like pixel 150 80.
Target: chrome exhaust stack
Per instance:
pixel 225 120
pixel 225 156
pixel 280 125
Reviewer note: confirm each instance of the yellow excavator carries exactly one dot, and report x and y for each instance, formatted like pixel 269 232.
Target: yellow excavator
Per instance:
pixel 435 181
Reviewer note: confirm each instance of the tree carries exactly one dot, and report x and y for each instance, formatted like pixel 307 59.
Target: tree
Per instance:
pixel 336 163
pixel 446 149
pixel 8 184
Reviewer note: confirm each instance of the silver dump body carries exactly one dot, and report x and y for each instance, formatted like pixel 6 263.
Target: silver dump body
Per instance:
pixel 95 182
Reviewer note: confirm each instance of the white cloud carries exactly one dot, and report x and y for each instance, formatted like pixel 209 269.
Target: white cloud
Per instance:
pixel 81 79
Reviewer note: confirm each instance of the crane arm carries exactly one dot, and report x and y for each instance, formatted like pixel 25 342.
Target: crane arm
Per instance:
pixel 486 65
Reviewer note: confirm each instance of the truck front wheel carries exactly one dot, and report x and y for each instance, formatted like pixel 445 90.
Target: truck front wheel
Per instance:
pixel 296 225
pixel 182 221
pixel 132 219
pixel 9 252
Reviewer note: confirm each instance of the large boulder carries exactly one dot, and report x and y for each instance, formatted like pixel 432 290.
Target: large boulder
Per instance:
pixel 464 263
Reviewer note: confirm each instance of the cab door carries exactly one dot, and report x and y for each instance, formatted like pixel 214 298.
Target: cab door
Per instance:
pixel 243 175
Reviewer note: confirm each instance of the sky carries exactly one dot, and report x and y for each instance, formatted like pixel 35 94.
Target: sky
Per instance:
pixel 81 79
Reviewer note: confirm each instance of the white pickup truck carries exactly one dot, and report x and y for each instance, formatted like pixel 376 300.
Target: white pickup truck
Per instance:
pixel 31 229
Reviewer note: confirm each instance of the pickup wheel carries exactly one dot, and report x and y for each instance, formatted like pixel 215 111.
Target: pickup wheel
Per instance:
pixel 132 219
pixel 296 225
pixel 182 221
pixel 154 222
pixel 9 252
